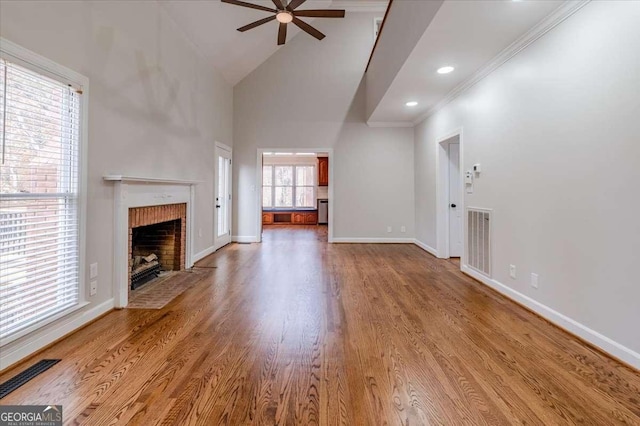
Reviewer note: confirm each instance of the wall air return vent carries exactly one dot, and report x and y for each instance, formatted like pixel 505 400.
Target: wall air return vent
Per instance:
pixel 479 240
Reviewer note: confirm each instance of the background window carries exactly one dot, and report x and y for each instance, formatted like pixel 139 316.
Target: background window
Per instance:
pixel 288 187
pixel 305 186
pixel 283 186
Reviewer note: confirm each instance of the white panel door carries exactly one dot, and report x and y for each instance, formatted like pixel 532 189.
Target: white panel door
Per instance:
pixel 455 207
pixel 222 223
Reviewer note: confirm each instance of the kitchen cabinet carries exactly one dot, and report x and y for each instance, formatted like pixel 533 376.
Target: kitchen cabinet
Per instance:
pixel 323 171
pixel 298 218
pixel 291 217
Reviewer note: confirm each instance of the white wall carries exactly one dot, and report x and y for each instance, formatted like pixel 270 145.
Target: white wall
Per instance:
pixel 155 109
pixel 309 95
pixel 556 131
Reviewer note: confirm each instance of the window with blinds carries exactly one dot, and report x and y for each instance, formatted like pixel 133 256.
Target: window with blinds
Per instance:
pixel 39 220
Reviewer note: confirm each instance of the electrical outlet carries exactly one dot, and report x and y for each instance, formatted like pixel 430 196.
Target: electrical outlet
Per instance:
pixel 94 288
pixel 534 280
pixel 388 229
pixel 93 270
pixel 512 271
pixel 403 229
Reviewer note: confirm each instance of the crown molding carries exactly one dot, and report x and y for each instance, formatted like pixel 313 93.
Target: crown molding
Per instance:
pixel 390 124
pixel 348 5
pixel 550 22
pixel 362 5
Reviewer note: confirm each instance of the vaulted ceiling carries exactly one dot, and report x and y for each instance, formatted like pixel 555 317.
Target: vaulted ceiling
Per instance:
pixel 211 25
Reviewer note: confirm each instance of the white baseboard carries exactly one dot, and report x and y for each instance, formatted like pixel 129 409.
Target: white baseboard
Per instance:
pixel 37 340
pixel 356 240
pixel 608 345
pixel 244 239
pixel 426 247
pixel 204 253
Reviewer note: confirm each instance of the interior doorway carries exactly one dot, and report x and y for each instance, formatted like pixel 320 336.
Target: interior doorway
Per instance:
pixel 295 190
pixel 222 215
pixel 450 196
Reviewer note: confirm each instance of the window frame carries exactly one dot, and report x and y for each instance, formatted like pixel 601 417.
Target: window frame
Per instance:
pixel 294 186
pixel 46 67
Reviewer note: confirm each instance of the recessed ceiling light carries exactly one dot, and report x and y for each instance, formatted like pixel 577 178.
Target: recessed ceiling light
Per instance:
pixel 445 70
pixel 411 104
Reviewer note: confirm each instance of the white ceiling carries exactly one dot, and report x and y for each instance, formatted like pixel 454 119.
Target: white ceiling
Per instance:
pixel 463 34
pixel 211 25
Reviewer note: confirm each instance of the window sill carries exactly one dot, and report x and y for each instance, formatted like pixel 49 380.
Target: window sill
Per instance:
pixel 289 209
pixel 41 324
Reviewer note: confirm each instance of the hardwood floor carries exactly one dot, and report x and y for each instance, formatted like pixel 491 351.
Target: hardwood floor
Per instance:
pixel 296 331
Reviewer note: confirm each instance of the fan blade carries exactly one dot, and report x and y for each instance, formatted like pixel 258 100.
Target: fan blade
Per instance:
pixel 282 34
pixel 321 13
pixel 294 4
pixel 308 28
pixel 252 6
pixel 257 23
pixel 278 4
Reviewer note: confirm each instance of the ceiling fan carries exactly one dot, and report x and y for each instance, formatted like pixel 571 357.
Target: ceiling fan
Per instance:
pixel 285 13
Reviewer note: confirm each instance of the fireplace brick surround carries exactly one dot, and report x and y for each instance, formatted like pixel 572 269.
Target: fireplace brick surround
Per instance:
pixel 174 220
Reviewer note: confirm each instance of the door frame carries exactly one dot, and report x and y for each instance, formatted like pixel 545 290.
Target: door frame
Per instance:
pixel 220 146
pixel 442 194
pixel 258 186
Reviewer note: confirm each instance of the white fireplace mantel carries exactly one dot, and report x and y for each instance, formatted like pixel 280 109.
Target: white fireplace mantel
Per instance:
pixel 138 179
pixel 135 191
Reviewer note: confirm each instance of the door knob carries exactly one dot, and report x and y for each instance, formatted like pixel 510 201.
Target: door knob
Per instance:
pixel 453 206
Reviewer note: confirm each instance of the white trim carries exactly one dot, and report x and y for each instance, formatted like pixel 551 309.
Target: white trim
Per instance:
pixel 224 146
pixel 30 59
pixel 603 342
pixel 124 178
pixel 33 343
pixel 244 239
pixel 390 124
pixel 362 6
pixel 563 12
pixel 425 247
pixel 204 253
pixel 361 240
pixel 258 186
pixel 354 6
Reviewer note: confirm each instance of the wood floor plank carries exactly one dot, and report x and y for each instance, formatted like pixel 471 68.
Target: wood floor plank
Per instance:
pixel 298 331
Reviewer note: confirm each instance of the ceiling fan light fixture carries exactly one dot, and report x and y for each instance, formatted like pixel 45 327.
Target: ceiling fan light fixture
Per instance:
pixel 284 17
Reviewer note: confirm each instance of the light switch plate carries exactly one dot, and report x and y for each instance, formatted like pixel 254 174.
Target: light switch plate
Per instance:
pixel 93 270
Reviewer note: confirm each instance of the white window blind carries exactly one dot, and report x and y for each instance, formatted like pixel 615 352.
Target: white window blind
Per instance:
pixel 39 224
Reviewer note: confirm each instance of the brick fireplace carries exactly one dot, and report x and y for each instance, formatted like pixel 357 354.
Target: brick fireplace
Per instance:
pixel 159 230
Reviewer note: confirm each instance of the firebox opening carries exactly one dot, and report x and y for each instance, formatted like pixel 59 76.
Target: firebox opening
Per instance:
pixel 155 248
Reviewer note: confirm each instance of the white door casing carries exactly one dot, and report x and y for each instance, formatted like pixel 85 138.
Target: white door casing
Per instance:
pixel 222 210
